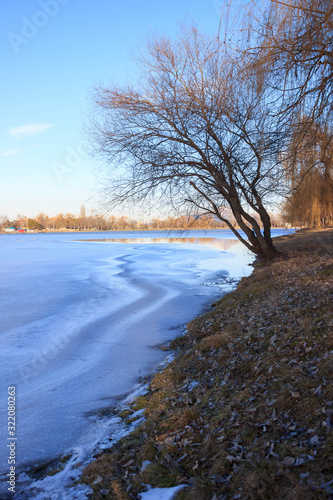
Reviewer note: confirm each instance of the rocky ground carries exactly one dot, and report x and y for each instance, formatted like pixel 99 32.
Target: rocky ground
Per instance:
pixel 245 411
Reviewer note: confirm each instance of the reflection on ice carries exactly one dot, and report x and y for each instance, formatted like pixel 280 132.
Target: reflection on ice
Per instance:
pixel 222 244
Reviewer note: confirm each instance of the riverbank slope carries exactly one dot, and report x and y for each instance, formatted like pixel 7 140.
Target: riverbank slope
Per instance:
pixel 246 408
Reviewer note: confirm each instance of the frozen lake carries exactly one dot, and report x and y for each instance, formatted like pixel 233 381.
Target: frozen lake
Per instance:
pixel 80 322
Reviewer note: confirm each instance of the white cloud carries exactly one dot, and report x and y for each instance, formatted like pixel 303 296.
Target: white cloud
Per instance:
pixel 10 152
pixel 27 130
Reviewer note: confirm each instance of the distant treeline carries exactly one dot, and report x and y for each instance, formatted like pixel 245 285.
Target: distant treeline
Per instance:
pixel 96 222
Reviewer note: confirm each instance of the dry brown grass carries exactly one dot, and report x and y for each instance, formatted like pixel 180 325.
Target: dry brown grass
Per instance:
pixel 258 422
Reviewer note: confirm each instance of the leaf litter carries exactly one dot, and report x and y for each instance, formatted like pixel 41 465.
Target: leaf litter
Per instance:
pixel 245 409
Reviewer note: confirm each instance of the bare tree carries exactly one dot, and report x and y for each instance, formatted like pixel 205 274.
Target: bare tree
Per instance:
pixel 21 221
pixel 197 131
pixel 310 171
pixel 83 217
pixel 4 222
pixel 294 40
pixel 42 219
pixel 291 41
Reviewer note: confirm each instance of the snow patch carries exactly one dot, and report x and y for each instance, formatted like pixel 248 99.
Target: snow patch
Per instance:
pixel 192 385
pixel 161 493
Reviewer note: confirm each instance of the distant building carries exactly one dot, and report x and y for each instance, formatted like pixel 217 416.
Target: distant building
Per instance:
pixel 10 229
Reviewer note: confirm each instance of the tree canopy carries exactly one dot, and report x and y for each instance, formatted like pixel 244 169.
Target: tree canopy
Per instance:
pixel 293 41
pixel 310 201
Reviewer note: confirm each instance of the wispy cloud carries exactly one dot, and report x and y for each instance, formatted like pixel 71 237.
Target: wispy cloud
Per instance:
pixel 10 152
pixel 28 130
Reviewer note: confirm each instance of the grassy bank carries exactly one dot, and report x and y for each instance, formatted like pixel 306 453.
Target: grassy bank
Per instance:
pixel 246 408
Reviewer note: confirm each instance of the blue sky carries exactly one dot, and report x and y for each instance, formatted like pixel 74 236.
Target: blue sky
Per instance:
pixel 53 52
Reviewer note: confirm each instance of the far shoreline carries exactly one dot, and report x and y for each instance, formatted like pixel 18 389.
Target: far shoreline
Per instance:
pixel 183 230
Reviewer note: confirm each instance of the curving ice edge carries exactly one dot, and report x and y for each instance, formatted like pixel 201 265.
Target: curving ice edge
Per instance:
pixel 90 265
pixel 61 486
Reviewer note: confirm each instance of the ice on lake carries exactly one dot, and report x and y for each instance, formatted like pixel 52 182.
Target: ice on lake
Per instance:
pixel 80 321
